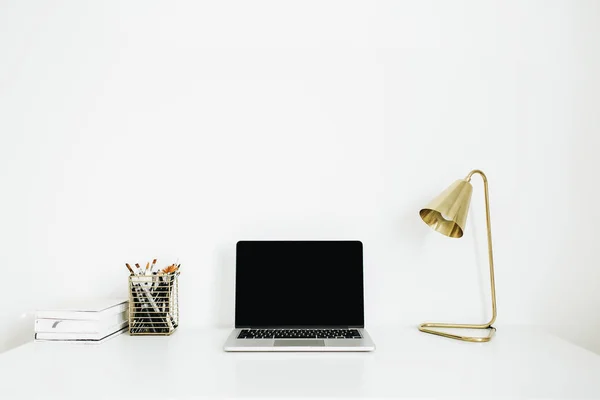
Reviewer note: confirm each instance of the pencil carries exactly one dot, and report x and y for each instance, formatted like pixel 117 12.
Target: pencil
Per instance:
pixel 129 268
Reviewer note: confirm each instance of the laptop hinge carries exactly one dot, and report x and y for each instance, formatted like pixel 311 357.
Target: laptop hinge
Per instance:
pixel 299 327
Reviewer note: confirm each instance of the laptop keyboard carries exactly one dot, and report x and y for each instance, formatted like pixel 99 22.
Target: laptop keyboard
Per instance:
pixel 299 334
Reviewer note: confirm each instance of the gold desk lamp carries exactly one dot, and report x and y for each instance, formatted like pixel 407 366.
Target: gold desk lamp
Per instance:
pixel 447 215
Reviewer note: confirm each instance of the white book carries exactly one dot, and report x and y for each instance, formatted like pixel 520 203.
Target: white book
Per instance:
pixel 94 309
pixel 81 341
pixel 53 325
pixel 81 336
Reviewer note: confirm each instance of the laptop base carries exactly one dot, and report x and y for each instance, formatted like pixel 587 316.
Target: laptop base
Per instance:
pixel 365 343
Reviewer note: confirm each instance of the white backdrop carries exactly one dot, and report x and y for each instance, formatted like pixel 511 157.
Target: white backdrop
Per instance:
pixel 138 129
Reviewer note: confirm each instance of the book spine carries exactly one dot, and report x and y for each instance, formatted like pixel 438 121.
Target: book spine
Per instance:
pixel 78 326
pixel 81 315
pixel 37 338
pixel 80 336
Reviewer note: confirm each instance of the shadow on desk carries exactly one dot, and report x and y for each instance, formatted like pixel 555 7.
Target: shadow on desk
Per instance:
pixel 15 330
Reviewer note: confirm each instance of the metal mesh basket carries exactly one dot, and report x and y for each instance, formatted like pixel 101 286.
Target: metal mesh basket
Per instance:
pixel 153 304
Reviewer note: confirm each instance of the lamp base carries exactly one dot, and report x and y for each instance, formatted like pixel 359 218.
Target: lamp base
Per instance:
pixel 424 328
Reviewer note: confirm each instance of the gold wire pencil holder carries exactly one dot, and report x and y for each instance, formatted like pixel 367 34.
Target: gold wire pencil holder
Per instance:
pixel 153 304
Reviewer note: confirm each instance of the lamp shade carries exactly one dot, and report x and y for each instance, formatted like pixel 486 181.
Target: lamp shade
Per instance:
pixel 447 213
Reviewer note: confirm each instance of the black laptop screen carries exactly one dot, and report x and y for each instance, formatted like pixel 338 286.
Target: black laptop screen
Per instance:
pixel 287 284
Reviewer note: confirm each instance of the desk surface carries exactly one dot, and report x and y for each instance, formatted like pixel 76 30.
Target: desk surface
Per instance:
pixel 519 362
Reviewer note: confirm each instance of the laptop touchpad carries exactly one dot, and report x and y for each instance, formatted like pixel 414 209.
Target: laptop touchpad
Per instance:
pixel 299 343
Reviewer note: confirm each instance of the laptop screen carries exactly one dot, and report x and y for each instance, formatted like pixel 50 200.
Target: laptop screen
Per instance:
pixel 299 283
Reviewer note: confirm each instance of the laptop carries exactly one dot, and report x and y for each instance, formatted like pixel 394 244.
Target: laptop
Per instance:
pixel 299 296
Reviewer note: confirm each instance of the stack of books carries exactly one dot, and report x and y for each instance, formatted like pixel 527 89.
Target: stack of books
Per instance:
pixel 93 321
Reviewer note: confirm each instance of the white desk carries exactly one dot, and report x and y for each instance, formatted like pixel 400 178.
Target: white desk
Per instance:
pixel 518 363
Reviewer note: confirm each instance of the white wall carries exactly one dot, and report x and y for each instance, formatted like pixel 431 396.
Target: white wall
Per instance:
pixel 139 129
